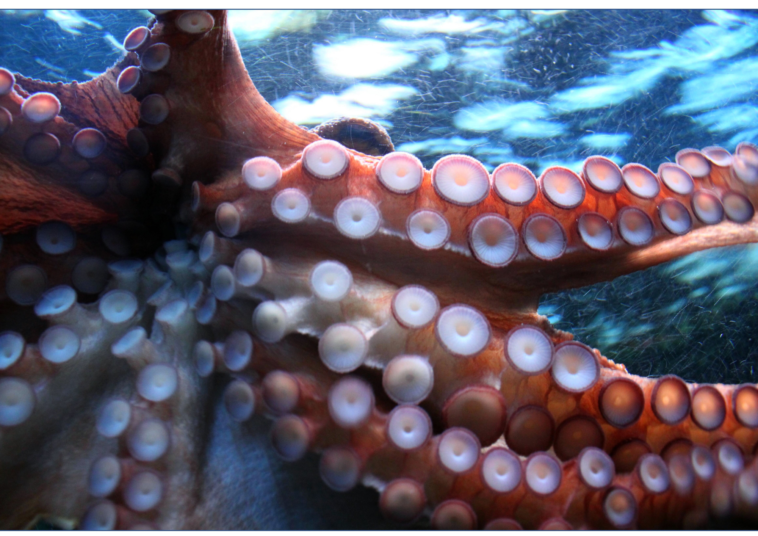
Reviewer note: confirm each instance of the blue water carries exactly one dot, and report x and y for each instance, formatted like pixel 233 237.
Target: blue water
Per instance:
pixel 540 88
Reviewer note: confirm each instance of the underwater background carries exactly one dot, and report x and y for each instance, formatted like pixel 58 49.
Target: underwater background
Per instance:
pixel 540 88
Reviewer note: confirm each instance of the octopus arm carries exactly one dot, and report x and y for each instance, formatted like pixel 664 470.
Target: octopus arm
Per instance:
pixel 381 314
pixel 108 110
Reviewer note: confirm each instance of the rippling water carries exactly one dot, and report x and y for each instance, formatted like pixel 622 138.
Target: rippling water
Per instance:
pixel 540 88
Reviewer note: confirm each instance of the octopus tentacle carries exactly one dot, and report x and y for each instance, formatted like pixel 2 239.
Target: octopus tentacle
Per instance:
pixel 304 275
pixel 630 232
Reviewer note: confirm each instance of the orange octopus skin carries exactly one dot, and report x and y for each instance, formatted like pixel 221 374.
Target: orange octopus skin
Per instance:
pixel 499 420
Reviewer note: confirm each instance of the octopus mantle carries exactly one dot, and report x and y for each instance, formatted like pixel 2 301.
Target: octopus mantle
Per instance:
pixel 173 245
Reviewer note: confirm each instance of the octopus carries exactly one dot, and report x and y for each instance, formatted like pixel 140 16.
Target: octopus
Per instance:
pixel 181 265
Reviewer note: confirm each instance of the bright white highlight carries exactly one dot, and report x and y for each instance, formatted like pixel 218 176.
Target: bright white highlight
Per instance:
pixel 331 280
pixel 542 474
pixel 143 492
pixel 157 382
pixel 41 107
pixel 575 367
pixel 371 101
pixel 640 181
pixel 414 306
pixel 653 473
pixel 514 184
pixel 458 450
pixel 261 173
pixel 529 350
pixel 428 229
pixel 342 348
pixel 562 187
pixel 148 441
pixel 694 163
pixel 370 58
pixel 400 173
pixel 461 180
pixel 291 205
pixel 675 217
pixel 130 342
pixel 462 330
pixel 595 231
pixel 596 468
pixel 408 427
pixel 544 237
pixel 351 401
pixel 356 217
pixel 208 247
pixel 55 301
pixel 501 470
pixel 408 379
pixel 58 344
pixel 620 507
pixel 635 226
pixel 325 159
pixel 602 174
pixel 526 119
pixel 676 178
pixel 493 240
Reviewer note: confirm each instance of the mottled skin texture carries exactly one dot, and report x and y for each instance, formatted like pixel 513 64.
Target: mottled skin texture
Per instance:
pixel 216 473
